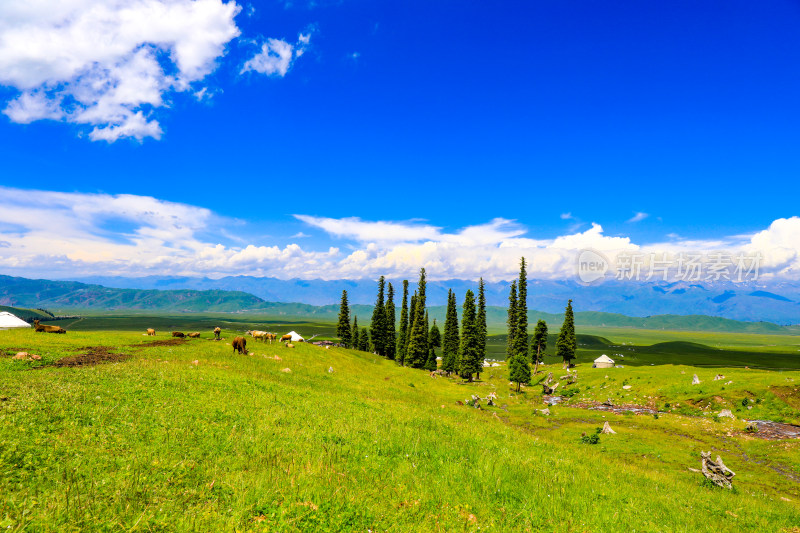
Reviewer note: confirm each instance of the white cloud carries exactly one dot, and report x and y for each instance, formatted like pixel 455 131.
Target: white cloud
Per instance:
pixel 276 56
pixel 108 64
pixel 638 217
pixel 566 216
pixel 53 234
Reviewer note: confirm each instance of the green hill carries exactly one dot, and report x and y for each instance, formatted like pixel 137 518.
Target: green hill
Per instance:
pixel 28 315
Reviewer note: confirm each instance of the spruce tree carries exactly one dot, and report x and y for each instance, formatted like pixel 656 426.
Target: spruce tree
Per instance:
pixel 355 334
pixel 363 340
pixel 512 320
pixel 468 356
pixel 431 364
pixel 450 342
pixel 480 323
pixel 402 338
pixel 435 336
pixel 377 327
pixel 390 336
pixel 539 344
pixel 518 370
pixel 343 327
pixel 418 343
pixel 567 343
pixel 521 314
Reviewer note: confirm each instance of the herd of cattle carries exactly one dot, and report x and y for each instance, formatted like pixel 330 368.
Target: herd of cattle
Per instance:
pixel 239 343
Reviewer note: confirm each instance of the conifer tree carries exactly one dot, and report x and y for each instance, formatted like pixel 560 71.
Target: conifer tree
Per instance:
pixel 435 336
pixel 363 340
pixel 402 338
pixel 521 314
pixel 468 356
pixel 431 364
pixel 480 324
pixel 412 312
pixel 539 344
pixel 519 371
pixel 418 344
pixel 354 335
pixel 450 342
pixel 343 327
pixel 567 343
pixel 377 327
pixel 390 336
pixel 512 320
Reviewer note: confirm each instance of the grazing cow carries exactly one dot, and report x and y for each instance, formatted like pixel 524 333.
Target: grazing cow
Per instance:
pixel 286 338
pixel 289 345
pixel 151 332
pixel 47 329
pixel 195 335
pixel 258 335
pixel 217 332
pixel 271 337
pixel 178 334
pixel 240 344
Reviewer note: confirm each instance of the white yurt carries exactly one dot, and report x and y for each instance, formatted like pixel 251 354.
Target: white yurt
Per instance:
pixel 9 321
pixel 603 361
pixel 296 336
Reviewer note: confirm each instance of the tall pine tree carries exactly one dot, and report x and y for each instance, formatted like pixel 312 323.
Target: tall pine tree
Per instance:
pixel 450 342
pixel 518 370
pixel 377 327
pixel 390 336
pixel 412 312
pixel 567 343
pixel 354 335
pixel 521 330
pixel 343 327
pixel 418 344
pixel 363 340
pixel 435 336
pixel 512 320
pixel 539 344
pixel 402 338
pixel 480 323
pixel 468 356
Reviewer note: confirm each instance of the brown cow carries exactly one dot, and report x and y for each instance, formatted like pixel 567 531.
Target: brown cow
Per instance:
pixel 240 344
pixel 151 332
pixel 178 334
pixel 47 329
pixel 271 337
pixel 217 332
pixel 195 335
pixel 286 338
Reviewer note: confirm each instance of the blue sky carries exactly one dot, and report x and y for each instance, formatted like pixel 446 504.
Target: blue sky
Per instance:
pixel 549 115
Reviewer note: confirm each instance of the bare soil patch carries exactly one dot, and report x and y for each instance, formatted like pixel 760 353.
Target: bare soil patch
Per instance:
pixel 94 355
pixel 166 342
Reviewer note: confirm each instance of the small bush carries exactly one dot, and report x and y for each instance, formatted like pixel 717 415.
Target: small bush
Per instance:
pixel 745 401
pixel 590 439
pixel 655 415
pixel 666 405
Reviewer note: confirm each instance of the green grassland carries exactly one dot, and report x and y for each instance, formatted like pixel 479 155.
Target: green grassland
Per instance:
pixel 192 437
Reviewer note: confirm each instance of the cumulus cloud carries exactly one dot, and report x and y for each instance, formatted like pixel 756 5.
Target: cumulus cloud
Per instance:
pixel 55 234
pixel 276 56
pixel 108 65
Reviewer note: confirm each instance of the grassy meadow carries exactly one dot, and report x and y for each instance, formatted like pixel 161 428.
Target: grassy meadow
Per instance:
pixel 187 436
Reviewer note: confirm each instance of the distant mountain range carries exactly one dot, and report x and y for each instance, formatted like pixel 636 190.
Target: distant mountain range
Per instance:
pixel 777 302
pixel 72 295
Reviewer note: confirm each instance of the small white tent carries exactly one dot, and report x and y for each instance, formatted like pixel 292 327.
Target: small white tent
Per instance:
pixel 603 361
pixel 9 321
pixel 296 336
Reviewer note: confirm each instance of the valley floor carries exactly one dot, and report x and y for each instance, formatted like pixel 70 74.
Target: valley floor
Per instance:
pixel 173 435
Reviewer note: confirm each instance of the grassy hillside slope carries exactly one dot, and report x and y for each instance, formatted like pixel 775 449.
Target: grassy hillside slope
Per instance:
pixel 190 437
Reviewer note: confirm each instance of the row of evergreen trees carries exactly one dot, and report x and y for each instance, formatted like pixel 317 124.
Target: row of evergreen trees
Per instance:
pixel 414 340
pixel 521 351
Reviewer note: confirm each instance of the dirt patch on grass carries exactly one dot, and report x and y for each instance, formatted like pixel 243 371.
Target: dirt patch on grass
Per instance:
pixel 790 395
pixel 166 342
pixel 94 355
